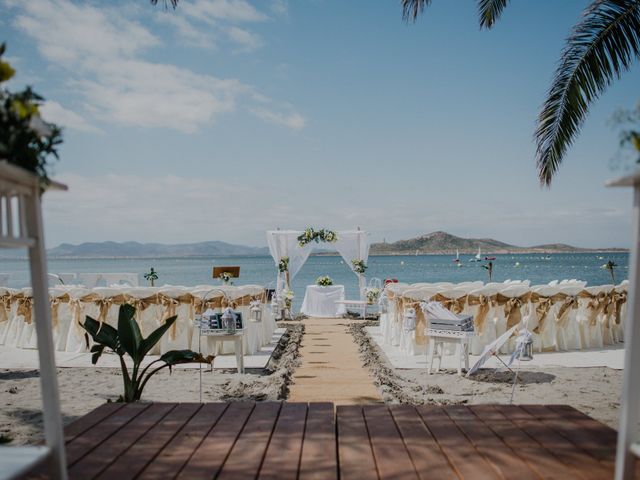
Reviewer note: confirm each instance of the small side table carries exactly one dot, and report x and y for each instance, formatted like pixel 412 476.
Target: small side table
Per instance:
pixel 437 339
pixel 221 336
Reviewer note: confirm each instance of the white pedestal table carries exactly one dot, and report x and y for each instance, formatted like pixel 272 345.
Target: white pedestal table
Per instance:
pixel 321 301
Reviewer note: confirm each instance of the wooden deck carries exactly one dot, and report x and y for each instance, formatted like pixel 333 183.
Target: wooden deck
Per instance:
pixel 313 441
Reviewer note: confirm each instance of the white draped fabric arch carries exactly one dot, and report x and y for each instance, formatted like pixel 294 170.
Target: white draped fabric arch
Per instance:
pixel 351 245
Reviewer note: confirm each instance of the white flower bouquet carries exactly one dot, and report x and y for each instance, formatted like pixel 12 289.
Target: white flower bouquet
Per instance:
pixel 359 266
pixel 287 297
pixel 324 281
pixel 372 294
pixel 283 264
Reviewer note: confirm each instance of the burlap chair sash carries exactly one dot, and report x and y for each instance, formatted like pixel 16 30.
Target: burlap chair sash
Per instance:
pixel 541 307
pixel 25 307
pixel 512 307
pixel 484 304
pixel 567 303
pixel 618 299
pixel 456 305
pixel 5 307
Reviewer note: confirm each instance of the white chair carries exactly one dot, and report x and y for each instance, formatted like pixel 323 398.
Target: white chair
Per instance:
pixel 488 333
pixel 568 333
pixel 546 335
pixel 511 292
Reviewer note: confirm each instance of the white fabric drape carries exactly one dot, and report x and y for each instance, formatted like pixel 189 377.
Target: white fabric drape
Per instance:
pixel 284 243
pixel 351 245
pixel 354 245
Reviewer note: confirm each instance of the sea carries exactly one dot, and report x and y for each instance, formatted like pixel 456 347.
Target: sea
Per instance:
pixel 261 270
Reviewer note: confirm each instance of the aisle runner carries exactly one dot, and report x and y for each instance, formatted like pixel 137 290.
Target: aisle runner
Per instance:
pixel 331 369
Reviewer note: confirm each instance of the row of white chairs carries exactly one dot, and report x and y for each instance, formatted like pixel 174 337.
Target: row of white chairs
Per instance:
pixel 577 329
pixel 70 305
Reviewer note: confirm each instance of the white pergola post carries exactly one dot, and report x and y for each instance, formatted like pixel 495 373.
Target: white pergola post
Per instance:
pixel 628 448
pixel 22 227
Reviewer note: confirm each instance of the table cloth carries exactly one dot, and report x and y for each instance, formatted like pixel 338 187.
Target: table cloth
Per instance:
pixel 321 301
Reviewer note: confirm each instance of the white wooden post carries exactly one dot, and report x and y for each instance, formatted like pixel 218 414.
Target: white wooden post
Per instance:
pixel 630 400
pixel 44 330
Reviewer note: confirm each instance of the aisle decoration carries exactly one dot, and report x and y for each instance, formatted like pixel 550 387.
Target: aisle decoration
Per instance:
pixel 324 281
pixel 323 235
pixel 359 266
pixel 283 265
pixel 372 294
pixel 226 278
pixel 287 297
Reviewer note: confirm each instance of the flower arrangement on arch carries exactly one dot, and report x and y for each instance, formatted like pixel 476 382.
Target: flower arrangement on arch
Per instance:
pixel 324 281
pixel 283 265
pixel 310 235
pixel 372 294
pixel 287 297
pixel 226 277
pixel 359 266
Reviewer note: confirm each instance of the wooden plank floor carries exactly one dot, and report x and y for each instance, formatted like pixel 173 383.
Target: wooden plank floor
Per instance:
pixel 318 441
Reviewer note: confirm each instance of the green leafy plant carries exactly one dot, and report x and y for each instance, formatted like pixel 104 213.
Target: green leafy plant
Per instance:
pixel 151 277
pixel 25 139
pixel 127 340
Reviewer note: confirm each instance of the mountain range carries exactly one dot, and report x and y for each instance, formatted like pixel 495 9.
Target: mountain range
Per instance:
pixel 432 243
pixel 445 243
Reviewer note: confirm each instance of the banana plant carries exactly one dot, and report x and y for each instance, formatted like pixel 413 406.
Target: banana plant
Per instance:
pixel 127 340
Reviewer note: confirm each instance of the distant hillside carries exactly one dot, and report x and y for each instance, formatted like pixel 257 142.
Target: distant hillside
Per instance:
pixel 445 243
pixel 154 250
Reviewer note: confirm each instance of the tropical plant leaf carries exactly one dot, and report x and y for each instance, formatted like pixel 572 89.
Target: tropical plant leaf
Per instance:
pixel 412 8
pixel 601 47
pixel 102 333
pixel 129 332
pixel 97 352
pixel 175 357
pixel 155 336
pixel 490 11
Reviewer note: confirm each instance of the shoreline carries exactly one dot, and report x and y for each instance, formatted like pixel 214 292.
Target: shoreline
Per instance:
pixel 335 254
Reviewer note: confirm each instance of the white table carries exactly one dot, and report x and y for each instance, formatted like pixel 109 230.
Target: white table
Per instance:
pixel 437 339
pixel 321 301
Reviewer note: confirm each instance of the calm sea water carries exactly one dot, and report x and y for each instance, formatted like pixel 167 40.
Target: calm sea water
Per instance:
pixel 428 268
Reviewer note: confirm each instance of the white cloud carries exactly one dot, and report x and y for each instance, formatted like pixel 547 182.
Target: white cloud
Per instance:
pixel 280 7
pixel 246 40
pixel 212 11
pixel 103 55
pixel 54 112
pixel 292 120
pixel 187 31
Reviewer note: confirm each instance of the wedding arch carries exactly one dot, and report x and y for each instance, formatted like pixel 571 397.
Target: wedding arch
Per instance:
pixel 290 249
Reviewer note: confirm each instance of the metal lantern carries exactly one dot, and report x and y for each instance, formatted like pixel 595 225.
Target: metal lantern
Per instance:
pixel 275 310
pixel 527 350
pixel 256 312
pixel 229 320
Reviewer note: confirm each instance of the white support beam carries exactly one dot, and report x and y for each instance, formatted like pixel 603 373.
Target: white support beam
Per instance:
pixel 630 399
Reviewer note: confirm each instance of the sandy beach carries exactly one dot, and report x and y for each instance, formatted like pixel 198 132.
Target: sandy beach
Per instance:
pixel 594 391
pixel 83 389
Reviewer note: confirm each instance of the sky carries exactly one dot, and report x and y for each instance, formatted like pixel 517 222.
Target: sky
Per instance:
pixel 225 118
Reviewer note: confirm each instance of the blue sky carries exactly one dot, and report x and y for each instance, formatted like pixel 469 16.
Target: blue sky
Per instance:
pixel 225 118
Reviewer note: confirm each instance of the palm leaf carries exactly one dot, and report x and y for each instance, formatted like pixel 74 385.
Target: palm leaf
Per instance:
pixel 490 11
pixel 601 47
pixel 174 3
pixel 412 8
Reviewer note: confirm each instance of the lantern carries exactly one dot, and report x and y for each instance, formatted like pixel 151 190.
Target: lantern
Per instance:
pixel 527 350
pixel 275 310
pixel 229 321
pixel 256 312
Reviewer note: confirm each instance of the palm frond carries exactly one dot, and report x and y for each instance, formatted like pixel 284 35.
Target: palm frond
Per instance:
pixel 490 11
pixel 601 47
pixel 412 8
pixel 174 3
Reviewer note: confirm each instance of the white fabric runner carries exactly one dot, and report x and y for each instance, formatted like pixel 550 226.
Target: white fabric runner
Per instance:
pixel 321 301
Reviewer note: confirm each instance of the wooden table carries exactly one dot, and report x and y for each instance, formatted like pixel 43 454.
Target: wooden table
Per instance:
pixel 273 440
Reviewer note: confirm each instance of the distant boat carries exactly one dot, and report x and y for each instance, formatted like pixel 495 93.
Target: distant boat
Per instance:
pixel 489 258
pixel 478 257
pixel 457 259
